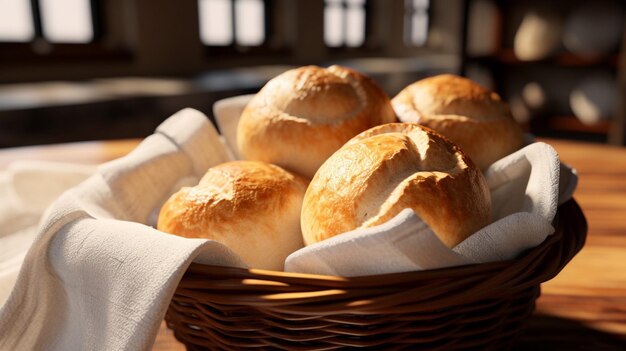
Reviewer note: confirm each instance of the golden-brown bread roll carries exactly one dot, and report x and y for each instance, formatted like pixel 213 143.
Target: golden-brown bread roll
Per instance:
pixel 302 116
pixel 389 168
pixel 251 207
pixel 473 117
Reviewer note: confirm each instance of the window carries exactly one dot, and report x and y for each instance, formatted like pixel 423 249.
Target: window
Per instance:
pixel 55 21
pixel 416 22
pixel 232 22
pixel 344 23
pixel 66 21
pixel 16 21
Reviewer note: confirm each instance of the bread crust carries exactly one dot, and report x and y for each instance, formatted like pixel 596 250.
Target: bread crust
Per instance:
pixel 252 207
pixel 299 118
pixel 389 168
pixel 471 116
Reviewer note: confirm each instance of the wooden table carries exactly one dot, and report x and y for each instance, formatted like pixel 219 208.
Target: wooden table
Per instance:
pixel 583 308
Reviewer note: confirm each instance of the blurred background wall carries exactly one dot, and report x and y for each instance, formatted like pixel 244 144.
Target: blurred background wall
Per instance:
pixel 105 69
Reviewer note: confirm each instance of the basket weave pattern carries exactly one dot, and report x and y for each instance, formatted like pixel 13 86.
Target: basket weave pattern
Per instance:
pixel 480 306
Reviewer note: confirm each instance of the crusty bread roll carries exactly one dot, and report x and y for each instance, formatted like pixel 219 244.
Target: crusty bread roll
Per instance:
pixel 251 207
pixel 304 115
pixel 389 168
pixel 471 116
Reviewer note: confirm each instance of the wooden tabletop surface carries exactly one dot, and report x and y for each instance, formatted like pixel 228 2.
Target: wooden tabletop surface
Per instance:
pixel 583 308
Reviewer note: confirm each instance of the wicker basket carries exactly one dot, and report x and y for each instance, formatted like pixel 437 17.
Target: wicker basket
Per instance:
pixel 480 306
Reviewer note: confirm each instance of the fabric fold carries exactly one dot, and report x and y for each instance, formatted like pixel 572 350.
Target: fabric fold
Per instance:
pixel 98 276
pixel 95 277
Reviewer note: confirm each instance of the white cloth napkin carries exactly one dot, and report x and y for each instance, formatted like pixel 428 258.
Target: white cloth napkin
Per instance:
pixel 525 194
pixel 227 112
pixel 95 277
pixel 98 277
pixel 525 197
pixel 26 189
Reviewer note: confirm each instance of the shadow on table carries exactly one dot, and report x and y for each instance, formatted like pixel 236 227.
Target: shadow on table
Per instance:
pixel 542 333
pixel 553 333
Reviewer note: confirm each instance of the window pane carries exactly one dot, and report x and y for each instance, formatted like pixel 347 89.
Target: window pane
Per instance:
pixel 333 24
pixel 420 4
pixel 355 28
pixel 216 26
pixel 16 20
pixel 416 22
pixel 66 21
pixel 250 22
pixel 419 29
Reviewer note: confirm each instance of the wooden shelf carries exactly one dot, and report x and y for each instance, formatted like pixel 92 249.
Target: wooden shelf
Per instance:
pixel 566 59
pixel 573 124
pixel 507 70
pixel 569 127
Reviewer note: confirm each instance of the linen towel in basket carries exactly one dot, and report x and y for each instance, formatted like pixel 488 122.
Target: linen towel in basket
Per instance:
pixel 97 276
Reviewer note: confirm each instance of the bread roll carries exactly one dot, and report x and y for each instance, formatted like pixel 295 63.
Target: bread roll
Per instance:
pixel 251 207
pixel 389 168
pixel 471 116
pixel 304 115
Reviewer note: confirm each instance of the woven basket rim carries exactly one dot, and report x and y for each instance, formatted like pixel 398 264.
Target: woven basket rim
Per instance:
pixel 571 206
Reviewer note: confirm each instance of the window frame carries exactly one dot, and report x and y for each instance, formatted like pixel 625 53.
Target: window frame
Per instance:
pixel 370 45
pixel 407 26
pixel 39 50
pixel 266 50
pixel 133 40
